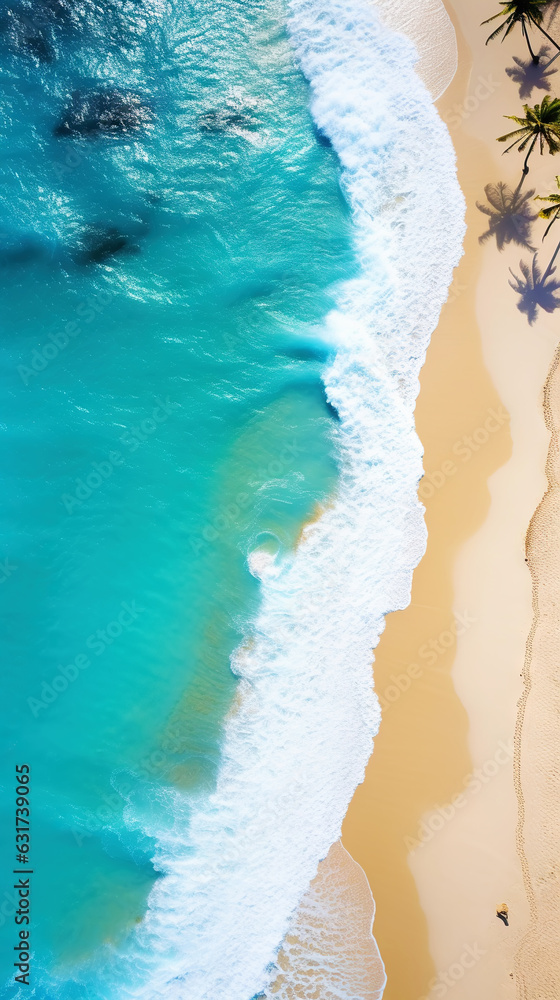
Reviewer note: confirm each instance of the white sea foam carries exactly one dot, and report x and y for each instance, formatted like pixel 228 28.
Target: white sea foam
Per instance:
pixel 298 742
pixel 329 952
pixel 429 26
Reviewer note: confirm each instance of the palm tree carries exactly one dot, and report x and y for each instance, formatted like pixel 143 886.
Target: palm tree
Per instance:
pixel 523 12
pixel 552 214
pixel 541 124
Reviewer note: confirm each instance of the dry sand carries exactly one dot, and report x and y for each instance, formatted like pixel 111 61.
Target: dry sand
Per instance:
pixel 538 774
pixel 434 824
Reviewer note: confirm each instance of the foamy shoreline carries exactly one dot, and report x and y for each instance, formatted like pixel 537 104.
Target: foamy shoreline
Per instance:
pixel 356 970
pixel 297 745
pixel 468 862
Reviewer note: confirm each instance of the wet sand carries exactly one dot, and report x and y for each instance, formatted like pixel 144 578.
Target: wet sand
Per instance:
pixel 328 951
pixel 434 824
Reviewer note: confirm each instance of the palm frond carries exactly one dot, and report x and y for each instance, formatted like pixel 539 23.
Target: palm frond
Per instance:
pixel 547 212
pixel 554 198
pixel 552 141
pixel 515 118
pixel 552 213
pixel 493 18
pixel 523 13
pixel 495 33
pixel 510 135
pixel 541 124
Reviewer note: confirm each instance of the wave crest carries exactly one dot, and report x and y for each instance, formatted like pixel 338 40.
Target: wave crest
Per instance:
pixel 299 740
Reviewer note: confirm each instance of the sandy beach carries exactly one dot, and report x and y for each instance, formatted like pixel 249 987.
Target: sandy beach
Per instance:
pixel 434 825
pixel 538 959
pixel 223 259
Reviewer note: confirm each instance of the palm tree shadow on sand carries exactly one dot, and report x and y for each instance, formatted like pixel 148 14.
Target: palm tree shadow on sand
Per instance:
pixel 530 77
pixel 536 290
pixel 510 216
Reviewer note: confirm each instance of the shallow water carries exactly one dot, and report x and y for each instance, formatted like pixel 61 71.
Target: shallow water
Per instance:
pixel 191 692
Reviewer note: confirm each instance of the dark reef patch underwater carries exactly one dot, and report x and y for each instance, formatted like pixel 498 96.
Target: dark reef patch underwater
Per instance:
pixel 108 111
pixel 171 230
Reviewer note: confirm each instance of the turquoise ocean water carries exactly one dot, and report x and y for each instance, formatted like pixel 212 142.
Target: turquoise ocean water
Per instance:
pixel 238 232
pixel 168 427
